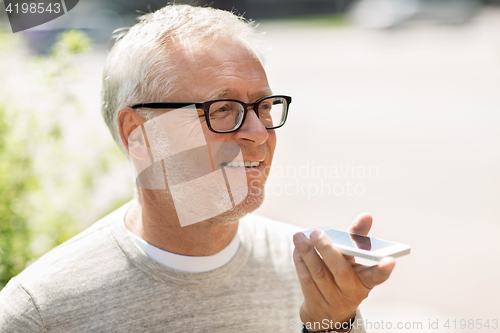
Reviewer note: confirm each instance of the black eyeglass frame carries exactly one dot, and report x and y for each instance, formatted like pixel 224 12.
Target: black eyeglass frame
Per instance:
pixel 205 106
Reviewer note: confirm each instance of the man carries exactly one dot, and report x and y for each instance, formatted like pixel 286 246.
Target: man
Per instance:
pixel 187 99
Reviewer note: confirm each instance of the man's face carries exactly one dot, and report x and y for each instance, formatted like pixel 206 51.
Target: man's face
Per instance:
pixel 227 70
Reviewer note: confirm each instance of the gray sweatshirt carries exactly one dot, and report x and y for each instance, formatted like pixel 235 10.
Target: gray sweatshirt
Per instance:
pixel 100 281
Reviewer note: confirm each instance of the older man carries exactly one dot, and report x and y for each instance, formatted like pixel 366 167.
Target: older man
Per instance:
pixel 187 99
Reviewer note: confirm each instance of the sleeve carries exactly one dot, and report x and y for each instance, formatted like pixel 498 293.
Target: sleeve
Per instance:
pixel 358 325
pixel 18 312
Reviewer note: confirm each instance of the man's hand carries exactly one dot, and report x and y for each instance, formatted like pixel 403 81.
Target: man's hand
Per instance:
pixel 332 283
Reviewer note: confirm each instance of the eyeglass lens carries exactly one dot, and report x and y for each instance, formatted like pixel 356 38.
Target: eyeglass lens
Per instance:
pixel 228 115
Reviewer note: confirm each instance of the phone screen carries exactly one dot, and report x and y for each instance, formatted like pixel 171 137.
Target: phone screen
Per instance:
pixel 357 241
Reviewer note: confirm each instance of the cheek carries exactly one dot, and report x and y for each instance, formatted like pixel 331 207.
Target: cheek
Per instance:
pixel 271 142
pixel 220 152
pixel 211 136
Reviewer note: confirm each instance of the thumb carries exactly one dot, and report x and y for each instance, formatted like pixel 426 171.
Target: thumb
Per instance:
pixel 361 224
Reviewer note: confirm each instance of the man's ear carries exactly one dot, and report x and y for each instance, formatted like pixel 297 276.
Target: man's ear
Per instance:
pixel 129 125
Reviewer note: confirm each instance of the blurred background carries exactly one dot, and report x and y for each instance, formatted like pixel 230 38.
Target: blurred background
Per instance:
pixel 395 112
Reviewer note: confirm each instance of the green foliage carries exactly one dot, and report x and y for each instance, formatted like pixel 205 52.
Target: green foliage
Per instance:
pixel 72 42
pixel 60 72
pixel 317 20
pixel 45 184
pixel 16 180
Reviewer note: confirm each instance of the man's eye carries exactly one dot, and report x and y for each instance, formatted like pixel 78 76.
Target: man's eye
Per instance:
pixel 265 107
pixel 220 110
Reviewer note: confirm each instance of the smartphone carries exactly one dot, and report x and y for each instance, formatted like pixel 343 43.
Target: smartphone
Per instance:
pixel 363 246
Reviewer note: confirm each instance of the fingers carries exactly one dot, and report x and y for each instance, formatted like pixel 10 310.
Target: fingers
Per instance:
pixel 344 276
pixel 334 267
pixel 333 284
pixel 316 277
pixel 375 275
pixel 307 284
pixel 361 224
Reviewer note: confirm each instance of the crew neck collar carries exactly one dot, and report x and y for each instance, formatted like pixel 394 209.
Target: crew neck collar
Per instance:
pixel 173 277
pixel 188 264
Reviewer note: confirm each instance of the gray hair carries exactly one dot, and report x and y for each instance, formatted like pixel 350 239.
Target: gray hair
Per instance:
pixel 138 68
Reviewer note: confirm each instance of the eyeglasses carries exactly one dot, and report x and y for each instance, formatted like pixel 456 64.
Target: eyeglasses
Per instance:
pixel 227 115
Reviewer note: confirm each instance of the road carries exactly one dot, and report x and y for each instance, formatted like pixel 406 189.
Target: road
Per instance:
pixel 402 124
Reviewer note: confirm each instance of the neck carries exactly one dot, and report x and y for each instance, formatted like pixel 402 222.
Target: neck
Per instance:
pixel 158 226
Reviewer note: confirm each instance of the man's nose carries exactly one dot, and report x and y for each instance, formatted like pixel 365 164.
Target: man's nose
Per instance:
pixel 252 128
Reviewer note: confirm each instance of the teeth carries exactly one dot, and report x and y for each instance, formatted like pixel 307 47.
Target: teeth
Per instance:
pixel 240 164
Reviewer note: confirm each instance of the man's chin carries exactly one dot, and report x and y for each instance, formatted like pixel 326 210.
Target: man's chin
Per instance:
pixel 252 201
pixel 246 198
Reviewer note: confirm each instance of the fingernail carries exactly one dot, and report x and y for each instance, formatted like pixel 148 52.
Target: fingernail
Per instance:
pixel 299 237
pixel 316 234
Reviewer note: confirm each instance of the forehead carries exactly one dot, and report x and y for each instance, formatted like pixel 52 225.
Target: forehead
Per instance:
pixel 225 69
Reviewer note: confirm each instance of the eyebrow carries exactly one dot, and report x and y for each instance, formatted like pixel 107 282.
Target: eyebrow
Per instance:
pixel 263 93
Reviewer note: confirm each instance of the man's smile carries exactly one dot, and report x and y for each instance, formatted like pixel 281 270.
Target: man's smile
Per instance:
pixel 239 164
